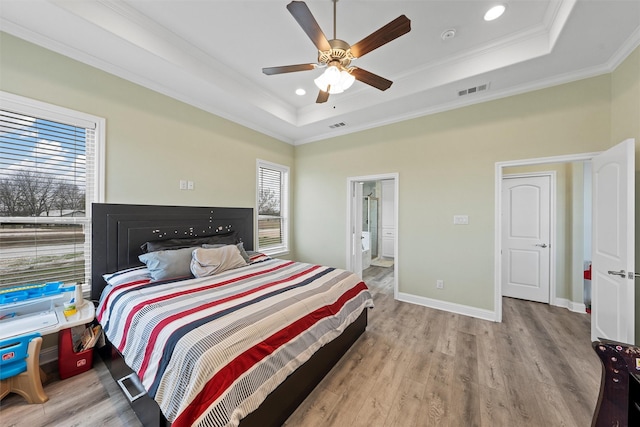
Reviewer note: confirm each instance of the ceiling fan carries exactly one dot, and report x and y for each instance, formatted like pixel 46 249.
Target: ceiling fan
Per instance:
pixel 337 54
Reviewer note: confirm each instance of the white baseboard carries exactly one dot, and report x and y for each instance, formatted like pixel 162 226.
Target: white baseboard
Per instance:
pixel 448 306
pixel 576 307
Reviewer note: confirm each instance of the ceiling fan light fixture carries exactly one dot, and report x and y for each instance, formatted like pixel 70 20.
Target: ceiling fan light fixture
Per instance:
pixel 495 12
pixel 335 80
pixel 346 79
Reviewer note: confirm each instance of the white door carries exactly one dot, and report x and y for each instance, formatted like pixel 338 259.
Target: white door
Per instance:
pixel 613 296
pixel 526 233
pixel 388 219
pixel 356 232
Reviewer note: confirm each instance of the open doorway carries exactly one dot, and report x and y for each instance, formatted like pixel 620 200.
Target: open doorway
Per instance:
pixel 612 239
pixel 567 247
pixel 528 232
pixel 372 229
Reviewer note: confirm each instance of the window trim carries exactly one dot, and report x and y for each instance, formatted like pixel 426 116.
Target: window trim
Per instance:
pixel 284 208
pixel 44 110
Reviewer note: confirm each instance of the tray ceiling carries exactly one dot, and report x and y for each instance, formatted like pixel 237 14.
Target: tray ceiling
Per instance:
pixel 210 54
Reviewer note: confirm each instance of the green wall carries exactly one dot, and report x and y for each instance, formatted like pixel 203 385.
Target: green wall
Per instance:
pixel 625 101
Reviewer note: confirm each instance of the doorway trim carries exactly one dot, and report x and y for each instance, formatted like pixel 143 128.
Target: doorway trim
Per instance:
pixel 379 177
pixel 498 210
pixel 553 213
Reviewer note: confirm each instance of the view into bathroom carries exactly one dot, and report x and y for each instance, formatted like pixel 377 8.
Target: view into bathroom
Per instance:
pixel 378 234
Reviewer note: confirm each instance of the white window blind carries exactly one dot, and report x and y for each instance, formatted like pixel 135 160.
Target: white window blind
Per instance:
pixel 272 207
pixel 48 180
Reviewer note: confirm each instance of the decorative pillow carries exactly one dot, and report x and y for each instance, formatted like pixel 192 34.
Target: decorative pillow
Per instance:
pixel 240 247
pixel 168 264
pixel 207 262
pixel 228 238
pixel 127 276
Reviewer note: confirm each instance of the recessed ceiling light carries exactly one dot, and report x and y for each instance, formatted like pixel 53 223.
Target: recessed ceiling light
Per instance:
pixel 300 92
pixel 494 13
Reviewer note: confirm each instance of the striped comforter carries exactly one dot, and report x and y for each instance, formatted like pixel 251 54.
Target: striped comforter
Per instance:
pixel 209 350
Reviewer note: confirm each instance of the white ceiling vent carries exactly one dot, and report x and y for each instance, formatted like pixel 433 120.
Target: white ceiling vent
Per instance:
pixel 475 89
pixel 337 125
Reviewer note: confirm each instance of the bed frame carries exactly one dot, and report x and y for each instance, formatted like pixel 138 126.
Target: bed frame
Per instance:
pixel 619 398
pixel 119 230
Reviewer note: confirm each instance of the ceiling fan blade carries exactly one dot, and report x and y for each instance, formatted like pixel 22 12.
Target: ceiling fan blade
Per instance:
pixel 288 69
pixel 371 79
pixel 322 96
pixel 394 29
pixel 303 15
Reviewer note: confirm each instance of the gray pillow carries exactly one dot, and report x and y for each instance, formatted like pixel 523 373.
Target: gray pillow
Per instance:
pixel 169 264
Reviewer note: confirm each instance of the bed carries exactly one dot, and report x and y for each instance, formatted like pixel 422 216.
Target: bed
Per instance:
pixel 228 348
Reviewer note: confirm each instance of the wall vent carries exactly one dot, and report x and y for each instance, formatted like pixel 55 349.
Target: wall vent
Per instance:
pixel 474 89
pixel 337 125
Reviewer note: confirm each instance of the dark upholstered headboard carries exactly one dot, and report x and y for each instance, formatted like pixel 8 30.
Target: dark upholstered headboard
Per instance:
pixel 118 231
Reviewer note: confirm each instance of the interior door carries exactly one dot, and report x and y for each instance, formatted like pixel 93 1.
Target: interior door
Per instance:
pixel 388 219
pixel 356 231
pixel 612 278
pixel 526 231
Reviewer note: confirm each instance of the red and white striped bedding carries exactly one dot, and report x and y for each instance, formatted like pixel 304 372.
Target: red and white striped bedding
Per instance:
pixel 209 350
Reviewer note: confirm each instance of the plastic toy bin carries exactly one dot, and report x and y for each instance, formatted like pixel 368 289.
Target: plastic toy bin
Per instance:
pixel 71 363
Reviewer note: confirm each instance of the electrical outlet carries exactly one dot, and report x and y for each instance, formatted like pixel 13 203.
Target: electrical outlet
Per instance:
pixel 183 184
pixel 440 284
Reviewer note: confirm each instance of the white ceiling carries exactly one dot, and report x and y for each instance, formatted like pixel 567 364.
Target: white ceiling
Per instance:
pixel 210 53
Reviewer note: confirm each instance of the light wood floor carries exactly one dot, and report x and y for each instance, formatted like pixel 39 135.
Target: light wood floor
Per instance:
pixel 90 399
pixel 417 366
pixel 413 367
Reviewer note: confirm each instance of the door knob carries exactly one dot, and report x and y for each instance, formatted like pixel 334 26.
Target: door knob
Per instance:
pixel 620 273
pixel 542 245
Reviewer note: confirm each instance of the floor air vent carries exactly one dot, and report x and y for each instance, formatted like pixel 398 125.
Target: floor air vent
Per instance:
pixel 337 125
pixel 474 89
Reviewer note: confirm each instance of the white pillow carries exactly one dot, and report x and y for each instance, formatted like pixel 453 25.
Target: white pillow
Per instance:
pixel 127 276
pixel 207 262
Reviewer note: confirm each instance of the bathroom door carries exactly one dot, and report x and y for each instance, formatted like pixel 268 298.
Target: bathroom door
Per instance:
pixel 388 219
pixel 356 230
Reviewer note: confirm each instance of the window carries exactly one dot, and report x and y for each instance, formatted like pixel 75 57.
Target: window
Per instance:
pixel 273 209
pixel 50 159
